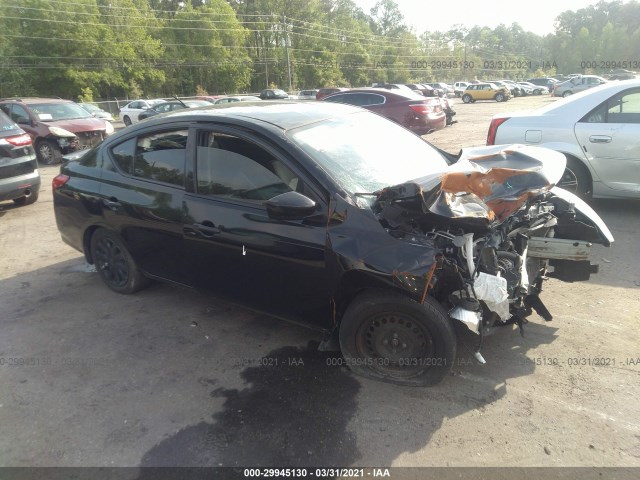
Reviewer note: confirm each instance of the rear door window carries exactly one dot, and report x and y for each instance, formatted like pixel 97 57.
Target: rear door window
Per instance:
pixel 159 156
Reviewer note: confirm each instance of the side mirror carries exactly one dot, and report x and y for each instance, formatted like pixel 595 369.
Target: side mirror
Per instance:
pixel 290 206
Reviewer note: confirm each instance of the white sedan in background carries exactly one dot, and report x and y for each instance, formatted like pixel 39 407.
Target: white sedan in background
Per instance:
pixel 130 112
pixel 598 130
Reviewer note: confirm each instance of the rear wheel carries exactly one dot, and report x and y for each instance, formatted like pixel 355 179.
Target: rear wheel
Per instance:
pixel 48 152
pixel 576 179
pixel 388 336
pixel 115 264
pixel 466 98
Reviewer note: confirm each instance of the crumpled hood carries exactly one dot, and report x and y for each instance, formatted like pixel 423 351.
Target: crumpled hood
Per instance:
pixel 77 125
pixel 486 184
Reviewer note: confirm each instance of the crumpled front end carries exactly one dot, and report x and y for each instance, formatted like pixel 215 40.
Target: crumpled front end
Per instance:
pixel 497 223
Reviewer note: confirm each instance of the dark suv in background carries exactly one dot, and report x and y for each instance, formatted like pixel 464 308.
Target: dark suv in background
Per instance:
pixel 19 176
pixel 56 126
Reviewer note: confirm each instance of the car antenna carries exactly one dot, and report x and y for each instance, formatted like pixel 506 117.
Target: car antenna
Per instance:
pixel 183 104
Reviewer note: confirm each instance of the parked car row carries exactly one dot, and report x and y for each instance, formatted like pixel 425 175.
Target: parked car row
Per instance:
pixel 532 86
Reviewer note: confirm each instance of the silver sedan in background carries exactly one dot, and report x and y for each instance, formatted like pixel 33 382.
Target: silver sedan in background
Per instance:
pixel 598 130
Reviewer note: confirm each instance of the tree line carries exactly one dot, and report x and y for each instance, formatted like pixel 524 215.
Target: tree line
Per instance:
pixel 90 49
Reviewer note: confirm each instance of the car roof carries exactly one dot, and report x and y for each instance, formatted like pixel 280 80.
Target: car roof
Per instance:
pixel 407 94
pixel 573 103
pixel 284 115
pixel 31 100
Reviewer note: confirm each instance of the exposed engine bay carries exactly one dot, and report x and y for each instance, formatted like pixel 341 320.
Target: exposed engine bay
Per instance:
pixel 497 223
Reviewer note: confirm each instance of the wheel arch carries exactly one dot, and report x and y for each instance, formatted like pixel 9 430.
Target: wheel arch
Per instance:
pixel 355 283
pixel 572 153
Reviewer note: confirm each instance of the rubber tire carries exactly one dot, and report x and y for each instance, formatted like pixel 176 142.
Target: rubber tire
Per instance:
pixel 566 94
pixel 583 187
pixel 466 98
pixel 429 316
pixel 134 280
pixel 499 97
pixel 126 120
pixel 51 155
pixel 26 200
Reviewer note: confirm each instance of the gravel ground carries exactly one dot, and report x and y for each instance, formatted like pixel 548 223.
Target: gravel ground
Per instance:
pixel 173 377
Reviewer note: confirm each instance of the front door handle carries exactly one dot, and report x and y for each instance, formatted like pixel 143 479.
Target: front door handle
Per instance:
pixel 205 229
pixel 600 139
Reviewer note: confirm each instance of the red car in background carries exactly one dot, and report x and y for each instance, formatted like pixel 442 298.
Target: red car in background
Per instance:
pixel 323 92
pixel 419 114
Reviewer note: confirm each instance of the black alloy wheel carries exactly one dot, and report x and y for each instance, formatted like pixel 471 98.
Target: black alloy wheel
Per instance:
pixel 114 263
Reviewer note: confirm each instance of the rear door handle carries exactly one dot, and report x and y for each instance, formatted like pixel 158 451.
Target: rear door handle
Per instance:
pixel 205 229
pixel 600 139
pixel 112 203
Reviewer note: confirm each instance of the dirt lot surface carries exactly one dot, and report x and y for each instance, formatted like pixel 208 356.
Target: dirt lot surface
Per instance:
pixel 173 377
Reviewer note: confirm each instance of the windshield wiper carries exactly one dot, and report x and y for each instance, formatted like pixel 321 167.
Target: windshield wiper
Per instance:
pixel 366 194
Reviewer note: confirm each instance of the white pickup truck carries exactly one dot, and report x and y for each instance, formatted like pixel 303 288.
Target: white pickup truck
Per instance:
pixel 459 88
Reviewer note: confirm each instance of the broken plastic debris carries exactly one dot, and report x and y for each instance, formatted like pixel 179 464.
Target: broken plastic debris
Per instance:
pixel 479 358
pixel 194 324
pixel 493 291
pixel 605 260
pixel 469 318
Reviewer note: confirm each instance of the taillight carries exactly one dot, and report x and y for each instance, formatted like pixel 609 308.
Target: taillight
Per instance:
pixel 421 108
pixel 58 181
pixel 20 140
pixel 493 129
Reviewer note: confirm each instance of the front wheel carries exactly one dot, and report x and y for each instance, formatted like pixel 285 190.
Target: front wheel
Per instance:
pixel 48 153
pixel 115 264
pixel 566 94
pixel 388 336
pixel 499 97
pixel 466 98
pixel 126 120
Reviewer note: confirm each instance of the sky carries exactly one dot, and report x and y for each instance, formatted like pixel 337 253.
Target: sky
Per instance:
pixel 536 16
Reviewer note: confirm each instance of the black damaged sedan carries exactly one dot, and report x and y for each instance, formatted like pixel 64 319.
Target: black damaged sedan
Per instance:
pixel 335 217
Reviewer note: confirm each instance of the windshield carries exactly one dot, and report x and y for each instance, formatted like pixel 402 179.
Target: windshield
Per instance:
pixel 48 112
pixel 364 153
